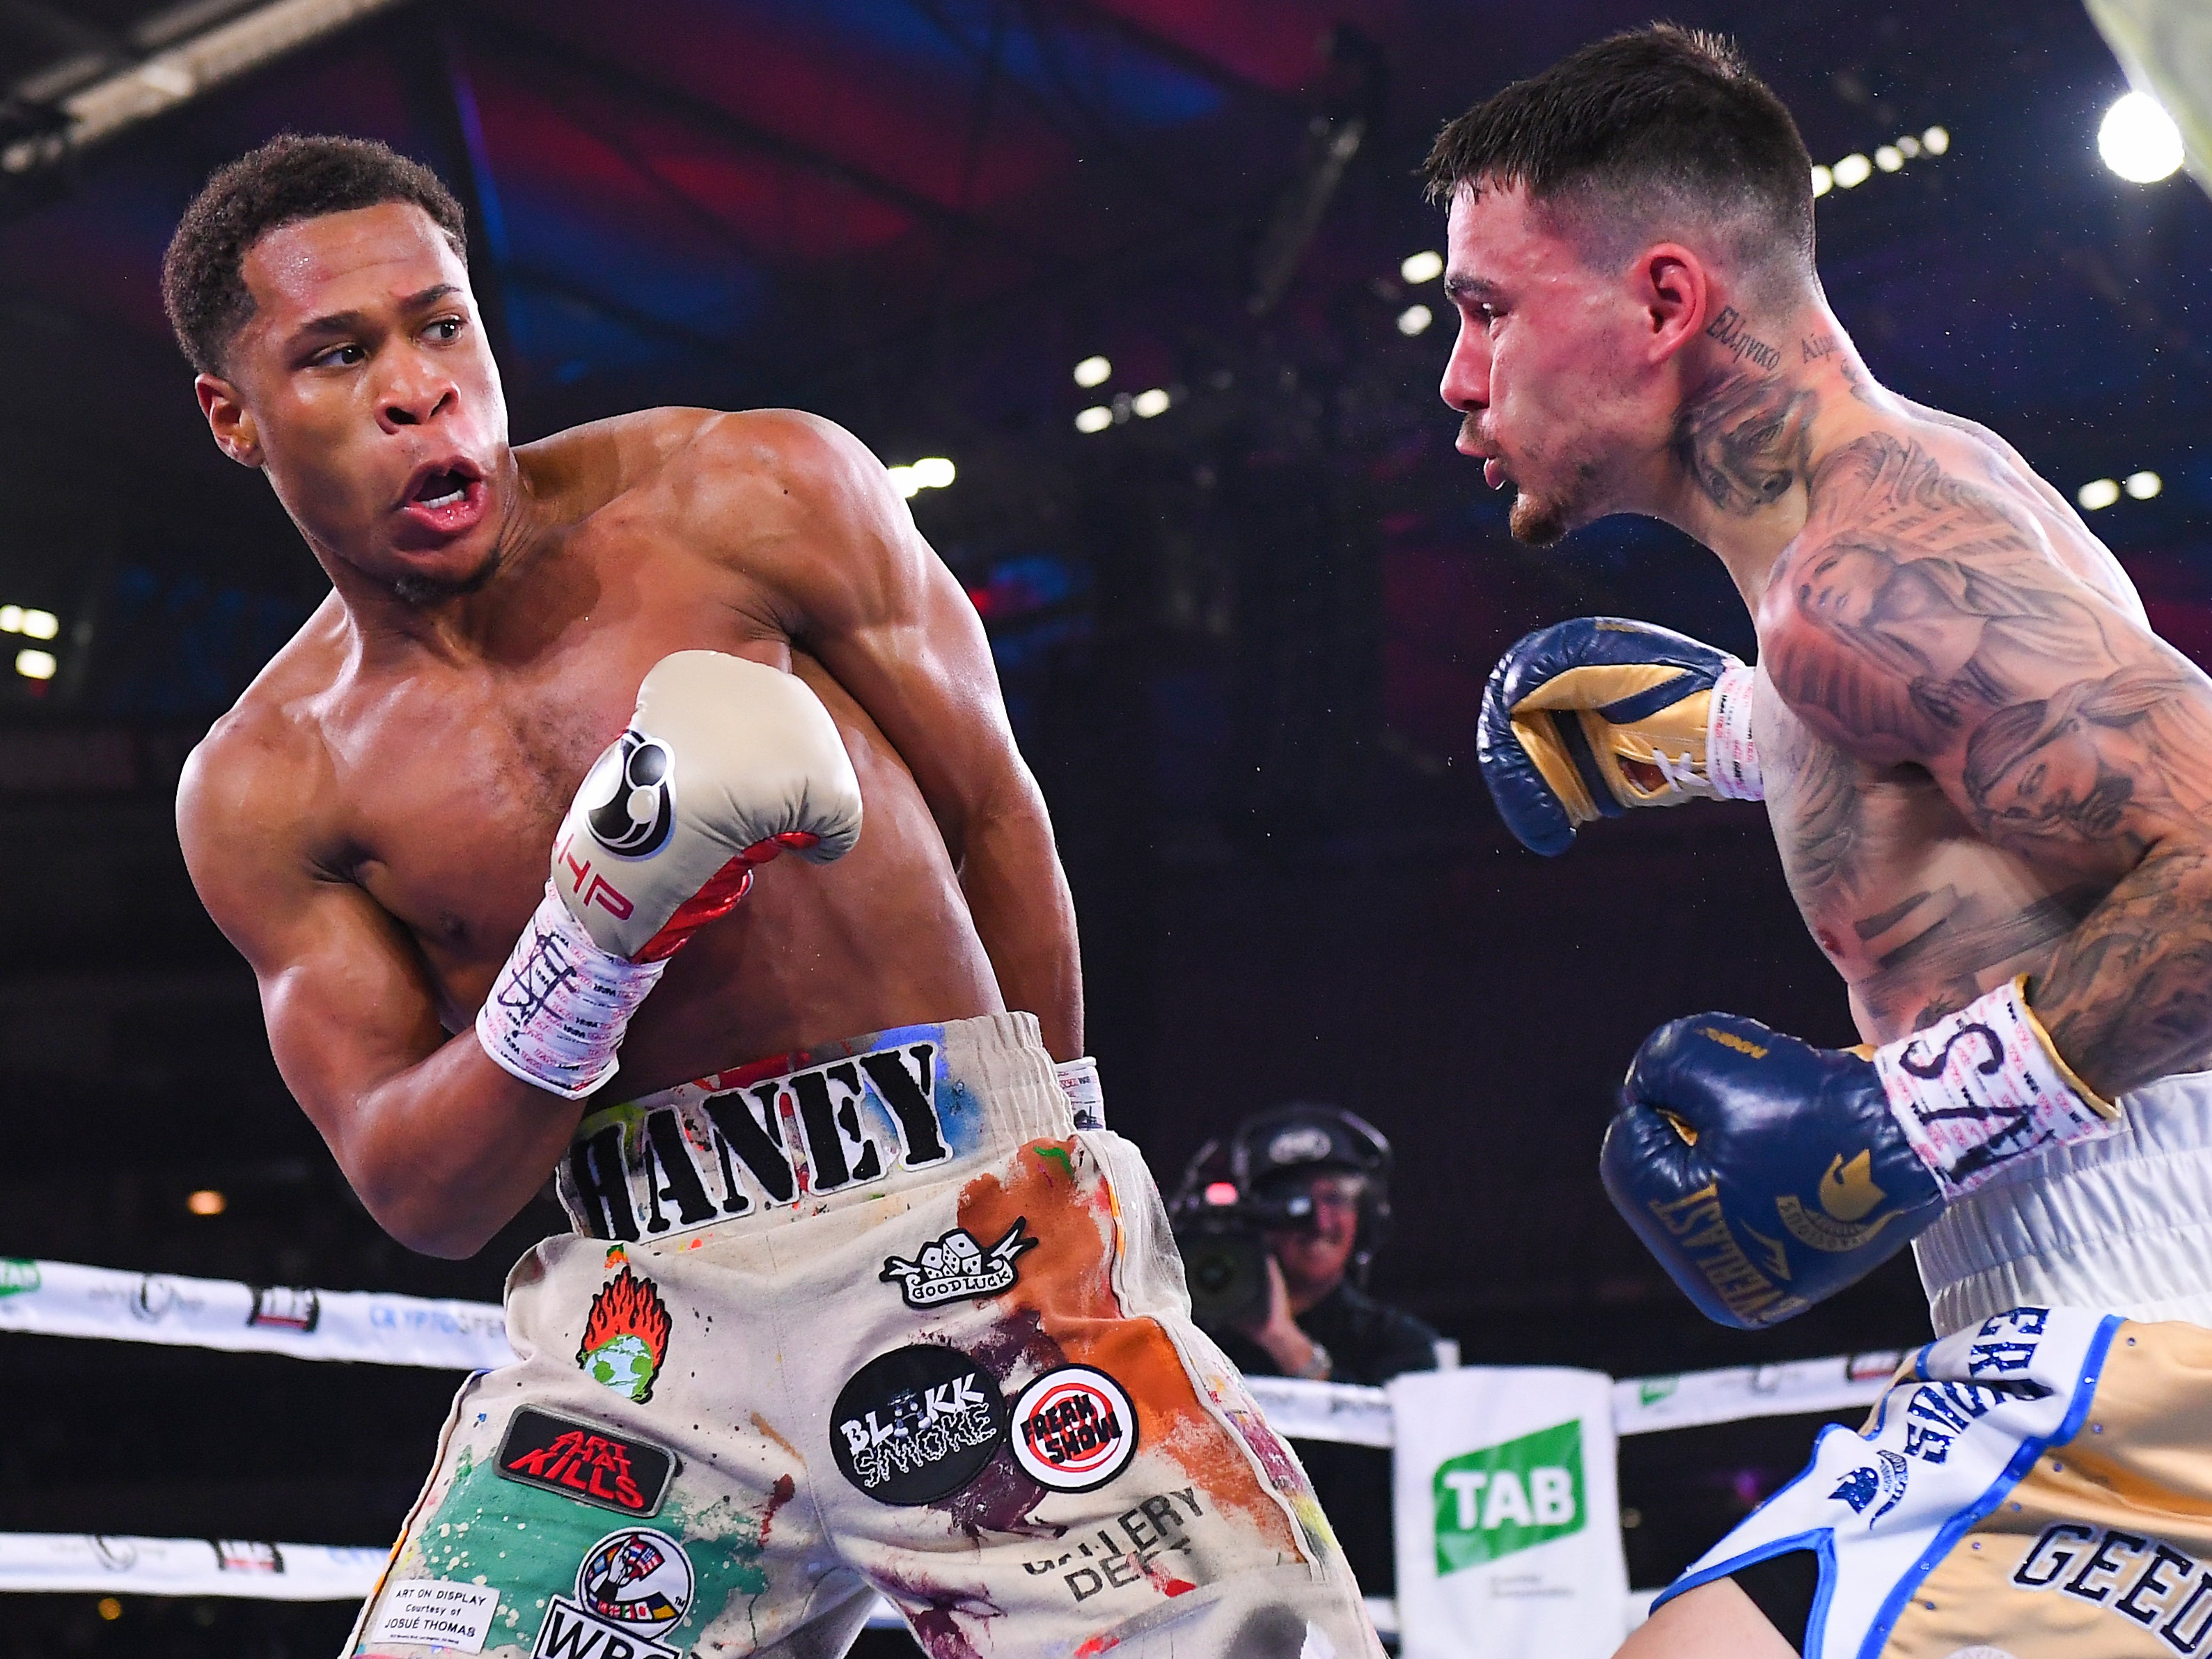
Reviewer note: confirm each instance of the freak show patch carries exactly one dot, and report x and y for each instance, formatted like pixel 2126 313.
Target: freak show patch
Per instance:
pixel 585 1461
pixel 625 1336
pixel 1074 1428
pixel 631 1586
pixel 916 1424
pixel 953 1266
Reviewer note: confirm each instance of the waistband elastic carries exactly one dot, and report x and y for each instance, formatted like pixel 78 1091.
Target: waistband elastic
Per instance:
pixel 804 1133
pixel 2120 1224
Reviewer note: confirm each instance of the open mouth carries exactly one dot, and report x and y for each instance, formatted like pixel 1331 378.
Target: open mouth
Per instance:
pixel 445 488
pixel 446 498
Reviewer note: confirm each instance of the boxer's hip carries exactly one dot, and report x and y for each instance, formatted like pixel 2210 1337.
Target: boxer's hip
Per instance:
pixel 2119 1224
pixel 803 1134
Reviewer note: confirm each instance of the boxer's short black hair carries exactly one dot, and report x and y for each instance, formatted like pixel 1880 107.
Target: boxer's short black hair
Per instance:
pixel 286 179
pixel 1632 128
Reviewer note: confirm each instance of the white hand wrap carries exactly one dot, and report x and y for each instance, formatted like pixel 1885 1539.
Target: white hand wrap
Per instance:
pixel 1982 1087
pixel 1731 760
pixel 557 1011
pixel 1079 1081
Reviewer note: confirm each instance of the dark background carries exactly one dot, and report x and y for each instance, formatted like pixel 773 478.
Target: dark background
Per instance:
pixel 1243 641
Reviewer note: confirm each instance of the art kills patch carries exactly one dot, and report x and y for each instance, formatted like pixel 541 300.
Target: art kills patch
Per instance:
pixel 633 1585
pixel 916 1424
pixel 1074 1428
pixel 625 1335
pixel 954 1266
pixel 585 1462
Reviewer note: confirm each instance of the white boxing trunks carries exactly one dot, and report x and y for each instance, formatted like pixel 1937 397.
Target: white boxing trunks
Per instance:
pixel 2038 1482
pixel 881 1317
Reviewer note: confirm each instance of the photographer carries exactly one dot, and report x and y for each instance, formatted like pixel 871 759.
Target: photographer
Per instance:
pixel 1317 1321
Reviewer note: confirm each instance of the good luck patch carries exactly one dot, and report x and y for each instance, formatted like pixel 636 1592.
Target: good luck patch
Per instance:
pixel 1074 1428
pixel 953 1266
pixel 916 1424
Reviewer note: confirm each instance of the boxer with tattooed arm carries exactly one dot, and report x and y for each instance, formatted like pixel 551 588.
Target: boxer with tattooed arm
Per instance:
pixel 1991 786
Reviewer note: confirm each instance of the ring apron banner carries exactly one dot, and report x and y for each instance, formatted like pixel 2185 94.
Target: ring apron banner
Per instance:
pixel 1508 1515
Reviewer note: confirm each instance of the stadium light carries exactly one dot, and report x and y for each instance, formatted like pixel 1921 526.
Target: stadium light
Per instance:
pixel 2139 141
pixel 1092 371
pixel 1415 319
pixel 36 664
pixel 1423 267
pixel 2142 486
pixel 1097 418
pixel 2097 495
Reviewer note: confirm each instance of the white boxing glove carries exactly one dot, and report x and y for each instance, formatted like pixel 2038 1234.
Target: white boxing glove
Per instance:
pixel 725 764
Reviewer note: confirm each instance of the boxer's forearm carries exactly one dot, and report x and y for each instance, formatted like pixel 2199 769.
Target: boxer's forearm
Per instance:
pixel 449 1150
pixel 1025 916
pixel 2128 998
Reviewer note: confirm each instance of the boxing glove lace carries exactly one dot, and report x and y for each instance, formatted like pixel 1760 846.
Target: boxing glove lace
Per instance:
pixel 1586 719
pixel 725 764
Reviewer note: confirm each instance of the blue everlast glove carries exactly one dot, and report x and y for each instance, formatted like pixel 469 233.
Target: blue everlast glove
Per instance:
pixel 1765 1173
pixel 1585 718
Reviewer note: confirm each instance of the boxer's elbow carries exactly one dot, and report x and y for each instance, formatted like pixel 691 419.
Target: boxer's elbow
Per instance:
pixel 429 1215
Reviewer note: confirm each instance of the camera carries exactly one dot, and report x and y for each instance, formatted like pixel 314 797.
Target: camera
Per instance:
pixel 1221 1230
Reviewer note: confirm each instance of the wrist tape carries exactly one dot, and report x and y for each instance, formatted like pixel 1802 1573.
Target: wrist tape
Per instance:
pixel 1981 1088
pixel 1731 760
pixel 557 1011
pixel 1078 1083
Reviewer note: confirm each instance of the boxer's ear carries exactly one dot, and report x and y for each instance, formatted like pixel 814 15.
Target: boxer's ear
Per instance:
pixel 229 419
pixel 1676 293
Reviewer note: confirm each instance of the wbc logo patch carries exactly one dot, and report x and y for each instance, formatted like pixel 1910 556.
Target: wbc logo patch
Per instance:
pixel 1074 1428
pixel 633 1586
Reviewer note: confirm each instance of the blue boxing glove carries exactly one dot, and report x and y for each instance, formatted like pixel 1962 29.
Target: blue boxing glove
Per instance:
pixel 1585 718
pixel 1766 1173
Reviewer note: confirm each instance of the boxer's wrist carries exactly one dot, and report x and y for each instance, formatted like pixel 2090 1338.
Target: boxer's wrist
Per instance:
pixel 1731 757
pixel 557 1011
pixel 1985 1086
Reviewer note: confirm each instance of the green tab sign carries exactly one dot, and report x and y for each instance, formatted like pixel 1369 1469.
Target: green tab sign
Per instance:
pixel 1499 1499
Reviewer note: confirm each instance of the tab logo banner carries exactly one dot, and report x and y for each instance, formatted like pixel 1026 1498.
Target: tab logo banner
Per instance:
pixel 1498 1500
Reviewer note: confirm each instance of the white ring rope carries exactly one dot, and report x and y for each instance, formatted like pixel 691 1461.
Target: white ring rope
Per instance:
pixel 61 1298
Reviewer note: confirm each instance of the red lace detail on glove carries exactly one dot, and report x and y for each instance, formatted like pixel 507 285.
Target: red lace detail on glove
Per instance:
pixel 721 894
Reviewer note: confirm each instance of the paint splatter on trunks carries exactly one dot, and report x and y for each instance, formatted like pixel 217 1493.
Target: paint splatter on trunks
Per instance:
pixel 737 1353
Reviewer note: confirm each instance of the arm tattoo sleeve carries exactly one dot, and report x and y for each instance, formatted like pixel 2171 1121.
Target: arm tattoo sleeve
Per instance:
pixel 1924 621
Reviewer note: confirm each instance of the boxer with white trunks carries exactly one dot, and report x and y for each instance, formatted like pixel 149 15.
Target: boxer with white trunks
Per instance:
pixel 862 1296
pixel 1991 786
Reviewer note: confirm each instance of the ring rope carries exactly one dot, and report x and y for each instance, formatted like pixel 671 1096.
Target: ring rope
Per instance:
pixel 61 1298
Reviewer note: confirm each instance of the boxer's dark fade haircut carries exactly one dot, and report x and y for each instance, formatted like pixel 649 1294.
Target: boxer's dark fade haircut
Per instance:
pixel 1632 131
pixel 286 179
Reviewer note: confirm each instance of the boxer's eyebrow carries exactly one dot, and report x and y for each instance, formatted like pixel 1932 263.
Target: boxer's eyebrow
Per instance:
pixel 352 322
pixel 1459 286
